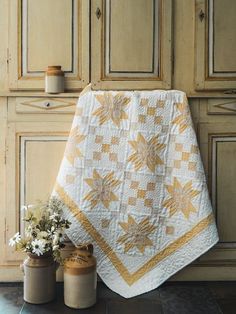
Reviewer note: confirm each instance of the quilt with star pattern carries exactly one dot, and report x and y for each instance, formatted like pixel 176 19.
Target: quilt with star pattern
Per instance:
pixel 133 185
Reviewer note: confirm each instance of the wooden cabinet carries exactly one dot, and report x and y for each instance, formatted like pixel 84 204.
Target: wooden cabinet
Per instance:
pixel 35 143
pixel 131 44
pixel 46 33
pixel 125 44
pixel 215 67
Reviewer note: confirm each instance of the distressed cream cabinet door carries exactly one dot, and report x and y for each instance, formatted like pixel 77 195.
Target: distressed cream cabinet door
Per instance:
pixel 218 147
pixel 3 123
pixel 35 143
pixel 48 32
pixel 215 67
pixel 214 119
pixel 131 44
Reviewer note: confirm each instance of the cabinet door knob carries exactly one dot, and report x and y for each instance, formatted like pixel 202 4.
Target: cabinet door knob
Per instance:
pixel 98 13
pixel 47 104
pixel 201 15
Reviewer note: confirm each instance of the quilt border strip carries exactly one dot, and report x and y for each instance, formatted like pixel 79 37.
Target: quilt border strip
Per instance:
pixel 130 278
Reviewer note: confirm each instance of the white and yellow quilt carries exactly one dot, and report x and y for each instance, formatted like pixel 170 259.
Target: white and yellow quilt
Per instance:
pixel 134 185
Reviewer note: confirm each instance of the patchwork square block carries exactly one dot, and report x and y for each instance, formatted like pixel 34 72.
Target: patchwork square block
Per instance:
pixel 107 149
pixel 142 193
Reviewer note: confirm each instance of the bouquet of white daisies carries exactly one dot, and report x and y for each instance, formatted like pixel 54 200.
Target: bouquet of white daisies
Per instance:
pixel 44 229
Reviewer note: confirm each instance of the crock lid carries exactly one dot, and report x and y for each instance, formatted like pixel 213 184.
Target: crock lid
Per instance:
pixel 54 70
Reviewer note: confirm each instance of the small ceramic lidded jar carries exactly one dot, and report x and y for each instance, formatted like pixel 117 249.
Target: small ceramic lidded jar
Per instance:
pixel 80 278
pixel 54 80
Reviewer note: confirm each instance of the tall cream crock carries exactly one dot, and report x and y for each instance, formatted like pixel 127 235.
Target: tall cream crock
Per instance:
pixel 39 278
pixel 80 278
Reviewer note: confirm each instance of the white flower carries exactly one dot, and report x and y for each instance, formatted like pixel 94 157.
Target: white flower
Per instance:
pixel 58 236
pixel 55 247
pixel 60 232
pixel 54 216
pixel 42 234
pixel 15 239
pixel 50 233
pixel 31 231
pixel 55 239
pixel 38 246
pixel 28 230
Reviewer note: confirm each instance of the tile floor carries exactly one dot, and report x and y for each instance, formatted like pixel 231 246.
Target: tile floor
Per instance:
pixel 170 298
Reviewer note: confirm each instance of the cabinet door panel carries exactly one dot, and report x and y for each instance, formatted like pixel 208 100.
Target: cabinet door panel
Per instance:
pixel 34 154
pixel 40 159
pixel 43 33
pixel 225 187
pixel 128 50
pixel 218 148
pixel 3 128
pixel 223 37
pixel 215 44
pixel 131 44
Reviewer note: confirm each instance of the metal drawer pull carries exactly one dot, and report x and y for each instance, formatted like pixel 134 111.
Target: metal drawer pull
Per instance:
pixel 47 104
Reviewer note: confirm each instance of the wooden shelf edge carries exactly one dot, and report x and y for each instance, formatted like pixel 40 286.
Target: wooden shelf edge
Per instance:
pixel 76 94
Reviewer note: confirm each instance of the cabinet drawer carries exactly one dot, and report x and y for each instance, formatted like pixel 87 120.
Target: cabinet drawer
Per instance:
pixel 45 105
pixel 221 106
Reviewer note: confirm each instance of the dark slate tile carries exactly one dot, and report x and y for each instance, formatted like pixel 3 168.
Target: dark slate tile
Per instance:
pixel 58 306
pixel 185 299
pixel 152 295
pixel 221 290
pixel 11 284
pixel 227 306
pixel 134 306
pixel 11 299
pixel 105 293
